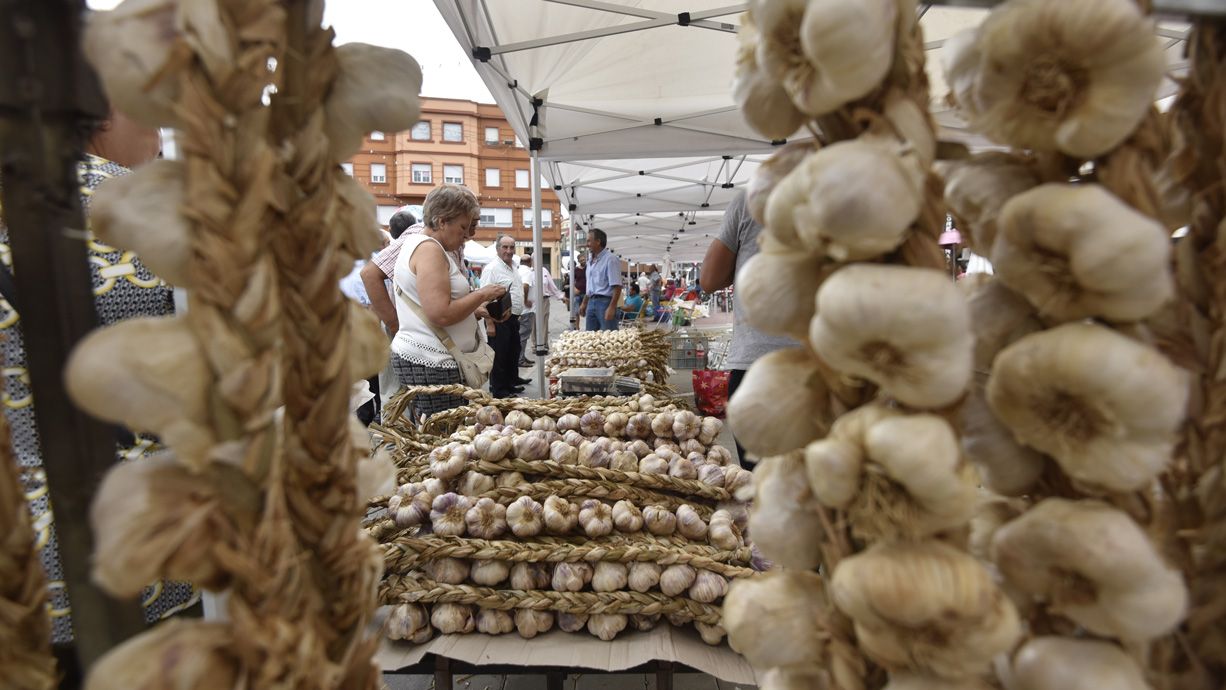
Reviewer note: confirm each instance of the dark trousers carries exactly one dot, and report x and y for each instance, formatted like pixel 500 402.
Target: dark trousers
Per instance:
pixel 505 373
pixel 734 380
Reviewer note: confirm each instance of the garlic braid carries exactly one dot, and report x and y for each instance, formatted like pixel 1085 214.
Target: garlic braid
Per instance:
pixel 25 629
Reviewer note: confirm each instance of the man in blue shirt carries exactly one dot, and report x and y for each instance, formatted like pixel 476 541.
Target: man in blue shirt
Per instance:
pixel 604 284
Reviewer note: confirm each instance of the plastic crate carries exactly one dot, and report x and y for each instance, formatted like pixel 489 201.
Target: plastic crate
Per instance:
pixel 689 351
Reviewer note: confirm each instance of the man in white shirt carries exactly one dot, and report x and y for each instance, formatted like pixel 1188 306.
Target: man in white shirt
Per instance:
pixel 504 336
pixel 528 319
pixel 549 290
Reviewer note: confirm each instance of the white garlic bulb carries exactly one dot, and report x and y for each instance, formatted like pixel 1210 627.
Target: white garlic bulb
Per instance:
pixel 573 438
pixel 531 446
pixel 659 520
pixel 639 426
pixel 787 379
pixel 895 588
pixel 774 287
pixel 571 577
pixel 530 576
pixel 821 206
pixel 494 622
pixel 834 467
pixel 692 445
pixel 1104 406
pixel 449 571
pixel 764 180
pixel 1052 75
pixel 568 422
pixel 690 524
pixel 624 461
pixel 593 455
pixel 662 425
pixel 545 423
pixel 452 618
pixel 486 519
pixel 847 48
pixel 448 462
pixel 708 586
pixel 676 579
pixel 640 448
pixel 609 577
pixel 686 425
pixel 563 453
pixel 642 576
pixel 615 424
pixel 784 515
pixel 682 468
pixel 375 89
pixel 414 510
pixel 571 622
pixel 140 212
pixel 1077 251
pixel 606 626
pixel 1062 663
pixel 711 634
pixel 719 455
pixel 775 619
pixel 766 105
pixel 561 516
pixel 906 329
pixel 489 415
pixel 723 533
pixel 409 622
pixel 644 623
pixel 530 623
pixel 591 423
pixel 1092 563
pixel 434 486
pixel 596 518
pixel 525 517
pixel 488 572
pixel 447 514
pixel 474 484
pixel 712 475
pixel 498 449
pixel 627 517
pixel 506 479
pixel 519 419
pixel 653 464
pixel 709 429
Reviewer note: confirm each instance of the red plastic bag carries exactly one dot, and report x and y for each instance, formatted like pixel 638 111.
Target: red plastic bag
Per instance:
pixel 711 392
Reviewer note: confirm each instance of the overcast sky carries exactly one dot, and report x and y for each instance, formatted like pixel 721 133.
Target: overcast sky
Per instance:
pixel 413 26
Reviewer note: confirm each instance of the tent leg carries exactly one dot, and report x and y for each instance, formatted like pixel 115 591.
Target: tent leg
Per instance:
pixel 538 295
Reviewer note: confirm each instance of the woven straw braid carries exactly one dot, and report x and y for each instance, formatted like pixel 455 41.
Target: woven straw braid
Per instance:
pixel 660 482
pixel 404 554
pixel 399 589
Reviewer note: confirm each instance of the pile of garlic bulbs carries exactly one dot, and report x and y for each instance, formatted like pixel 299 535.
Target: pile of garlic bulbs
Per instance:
pixel 970 491
pixel 610 519
pixel 262 493
pixel 634 352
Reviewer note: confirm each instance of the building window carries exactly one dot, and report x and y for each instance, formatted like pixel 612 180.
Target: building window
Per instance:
pixel 546 218
pixel 378 172
pixel 496 217
pixel 453 174
pixel 493 177
pixel 421 131
pixel 376 135
pixel 491 135
pixel 421 173
pixel 521 179
pixel 453 131
pixel 348 168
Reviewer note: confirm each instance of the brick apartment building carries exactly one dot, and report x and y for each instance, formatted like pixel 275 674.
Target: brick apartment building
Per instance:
pixel 467 143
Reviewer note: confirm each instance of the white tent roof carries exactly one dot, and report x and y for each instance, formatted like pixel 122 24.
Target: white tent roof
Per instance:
pixel 475 253
pixel 631 101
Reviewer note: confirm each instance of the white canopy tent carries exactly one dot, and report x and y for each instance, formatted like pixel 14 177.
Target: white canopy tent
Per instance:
pixel 627 105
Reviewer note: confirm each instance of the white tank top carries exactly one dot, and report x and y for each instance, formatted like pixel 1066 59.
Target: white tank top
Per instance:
pixel 415 341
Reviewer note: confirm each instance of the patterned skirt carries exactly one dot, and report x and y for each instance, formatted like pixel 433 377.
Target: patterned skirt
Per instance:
pixel 414 374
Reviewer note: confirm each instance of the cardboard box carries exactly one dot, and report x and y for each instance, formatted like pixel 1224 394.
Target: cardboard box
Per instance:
pixel 577 650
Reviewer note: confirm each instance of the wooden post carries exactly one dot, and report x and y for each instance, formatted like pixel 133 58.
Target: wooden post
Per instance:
pixel 664 675
pixel 442 673
pixel 47 94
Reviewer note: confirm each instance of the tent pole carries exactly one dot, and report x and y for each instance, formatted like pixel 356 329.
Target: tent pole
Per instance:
pixel 538 294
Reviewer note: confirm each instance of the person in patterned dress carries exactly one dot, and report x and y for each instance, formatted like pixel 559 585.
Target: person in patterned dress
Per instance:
pixel 124 288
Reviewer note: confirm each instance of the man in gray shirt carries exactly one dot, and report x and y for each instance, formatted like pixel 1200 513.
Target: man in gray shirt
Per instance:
pixel 737 242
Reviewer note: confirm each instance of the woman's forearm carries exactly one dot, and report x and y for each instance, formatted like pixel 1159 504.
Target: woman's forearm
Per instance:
pixel 456 310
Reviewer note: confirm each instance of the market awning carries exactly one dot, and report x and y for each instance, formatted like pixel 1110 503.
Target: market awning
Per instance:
pixel 630 101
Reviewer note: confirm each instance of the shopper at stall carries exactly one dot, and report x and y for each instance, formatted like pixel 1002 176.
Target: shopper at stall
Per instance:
pixel 549 291
pixel 604 284
pixel 377 273
pixel 124 288
pixel 657 284
pixel 633 305
pixel 736 244
pixel 505 381
pixel 580 285
pixel 433 296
